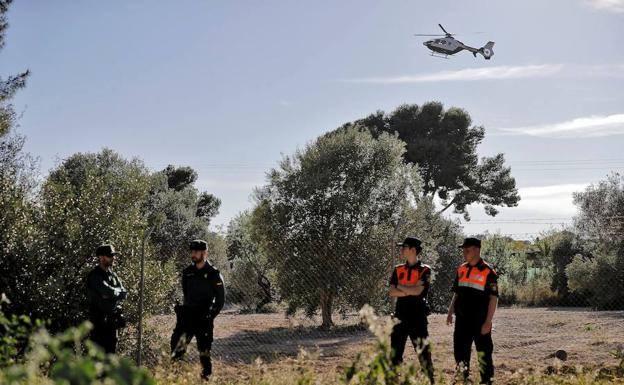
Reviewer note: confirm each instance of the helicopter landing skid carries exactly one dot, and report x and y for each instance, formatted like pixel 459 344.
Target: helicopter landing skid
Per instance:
pixel 441 56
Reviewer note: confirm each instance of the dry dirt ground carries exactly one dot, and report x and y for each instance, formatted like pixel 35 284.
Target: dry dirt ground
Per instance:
pixel 524 340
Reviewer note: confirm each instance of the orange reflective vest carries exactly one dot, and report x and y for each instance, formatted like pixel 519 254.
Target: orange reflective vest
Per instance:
pixel 473 278
pixel 407 276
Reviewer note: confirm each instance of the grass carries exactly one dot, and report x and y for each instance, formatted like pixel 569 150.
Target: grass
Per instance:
pixel 525 340
pixel 300 371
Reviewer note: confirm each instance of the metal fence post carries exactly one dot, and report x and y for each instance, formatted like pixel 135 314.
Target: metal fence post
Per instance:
pixel 141 289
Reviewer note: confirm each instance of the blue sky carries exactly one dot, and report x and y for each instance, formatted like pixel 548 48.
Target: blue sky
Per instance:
pixel 227 87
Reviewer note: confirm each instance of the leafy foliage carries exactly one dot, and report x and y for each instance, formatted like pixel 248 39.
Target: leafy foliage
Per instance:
pixel 87 200
pixel 10 85
pixel 444 146
pixel 17 181
pixel 561 247
pixel 178 212
pixel 599 273
pixel 15 330
pixel 68 359
pixel 252 274
pixel 178 178
pixel 376 367
pixel 326 216
pixel 525 269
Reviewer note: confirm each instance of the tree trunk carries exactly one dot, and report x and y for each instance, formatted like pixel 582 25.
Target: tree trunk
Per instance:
pixel 327 299
pixel 265 286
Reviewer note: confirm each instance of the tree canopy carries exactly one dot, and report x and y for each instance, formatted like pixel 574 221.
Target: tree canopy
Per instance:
pixel 443 143
pixel 328 214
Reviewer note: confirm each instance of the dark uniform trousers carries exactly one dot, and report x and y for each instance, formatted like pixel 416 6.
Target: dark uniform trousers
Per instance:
pixel 466 332
pixel 190 324
pixel 416 330
pixel 105 335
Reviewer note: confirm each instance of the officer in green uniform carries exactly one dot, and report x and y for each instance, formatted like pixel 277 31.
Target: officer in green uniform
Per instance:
pixel 105 293
pixel 204 296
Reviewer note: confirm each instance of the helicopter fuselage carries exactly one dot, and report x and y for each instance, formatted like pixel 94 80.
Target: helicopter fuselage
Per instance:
pixel 445 45
pixel 448 45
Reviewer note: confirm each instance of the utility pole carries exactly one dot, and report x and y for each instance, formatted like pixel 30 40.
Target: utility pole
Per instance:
pixel 141 290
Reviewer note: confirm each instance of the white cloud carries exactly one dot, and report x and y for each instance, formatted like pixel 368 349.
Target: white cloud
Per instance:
pixel 585 127
pixel 541 208
pixel 503 73
pixel 556 190
pixel 470 74
pixel 616 6
pixel 550 200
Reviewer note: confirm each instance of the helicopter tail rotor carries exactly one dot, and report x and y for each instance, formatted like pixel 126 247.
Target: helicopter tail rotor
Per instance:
pixel 487 50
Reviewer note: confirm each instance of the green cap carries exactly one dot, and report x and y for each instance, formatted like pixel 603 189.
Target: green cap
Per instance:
pixel 199 244
pixel 106 250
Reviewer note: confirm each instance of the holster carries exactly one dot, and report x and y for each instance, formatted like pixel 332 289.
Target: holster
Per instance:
pixel 117 319
pixel 191 317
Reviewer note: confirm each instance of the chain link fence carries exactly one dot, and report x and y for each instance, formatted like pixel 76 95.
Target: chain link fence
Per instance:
pixel 306 295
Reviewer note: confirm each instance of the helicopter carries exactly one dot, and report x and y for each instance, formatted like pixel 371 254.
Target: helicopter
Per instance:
pixel 448 45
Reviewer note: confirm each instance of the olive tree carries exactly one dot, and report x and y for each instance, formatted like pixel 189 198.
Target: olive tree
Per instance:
pixel 252 277
pixel 327 215
pixel 599 273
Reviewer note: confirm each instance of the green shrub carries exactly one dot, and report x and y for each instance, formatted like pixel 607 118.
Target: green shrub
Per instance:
pixel 376 368
pixel 14 334
pixel 598 279
pixel 507 291
pixel 64 359
pixel 67 359
pixel 537 291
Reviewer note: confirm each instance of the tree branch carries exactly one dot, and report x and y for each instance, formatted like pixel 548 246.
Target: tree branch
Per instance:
pixel 448 205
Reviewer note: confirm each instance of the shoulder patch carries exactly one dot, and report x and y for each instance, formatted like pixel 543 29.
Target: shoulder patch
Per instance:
pixel 489 266
pixel 211 267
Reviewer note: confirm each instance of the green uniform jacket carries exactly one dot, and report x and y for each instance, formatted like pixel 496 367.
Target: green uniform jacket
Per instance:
pixel 106 292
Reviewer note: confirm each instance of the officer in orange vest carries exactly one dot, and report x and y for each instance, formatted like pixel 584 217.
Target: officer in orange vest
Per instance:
pixel 409 283
pixel 474 304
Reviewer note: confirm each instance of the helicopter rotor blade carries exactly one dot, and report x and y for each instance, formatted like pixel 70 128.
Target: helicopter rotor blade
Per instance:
pixel 424 34
pixel 441 27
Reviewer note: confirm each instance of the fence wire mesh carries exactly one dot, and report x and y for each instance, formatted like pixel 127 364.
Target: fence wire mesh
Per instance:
pixel 306 295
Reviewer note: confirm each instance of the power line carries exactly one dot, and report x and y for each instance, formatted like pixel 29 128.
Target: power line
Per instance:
pixel 513 169
pixel 515 222
pixel 528 219
pixel 533 219
pixel 609 160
